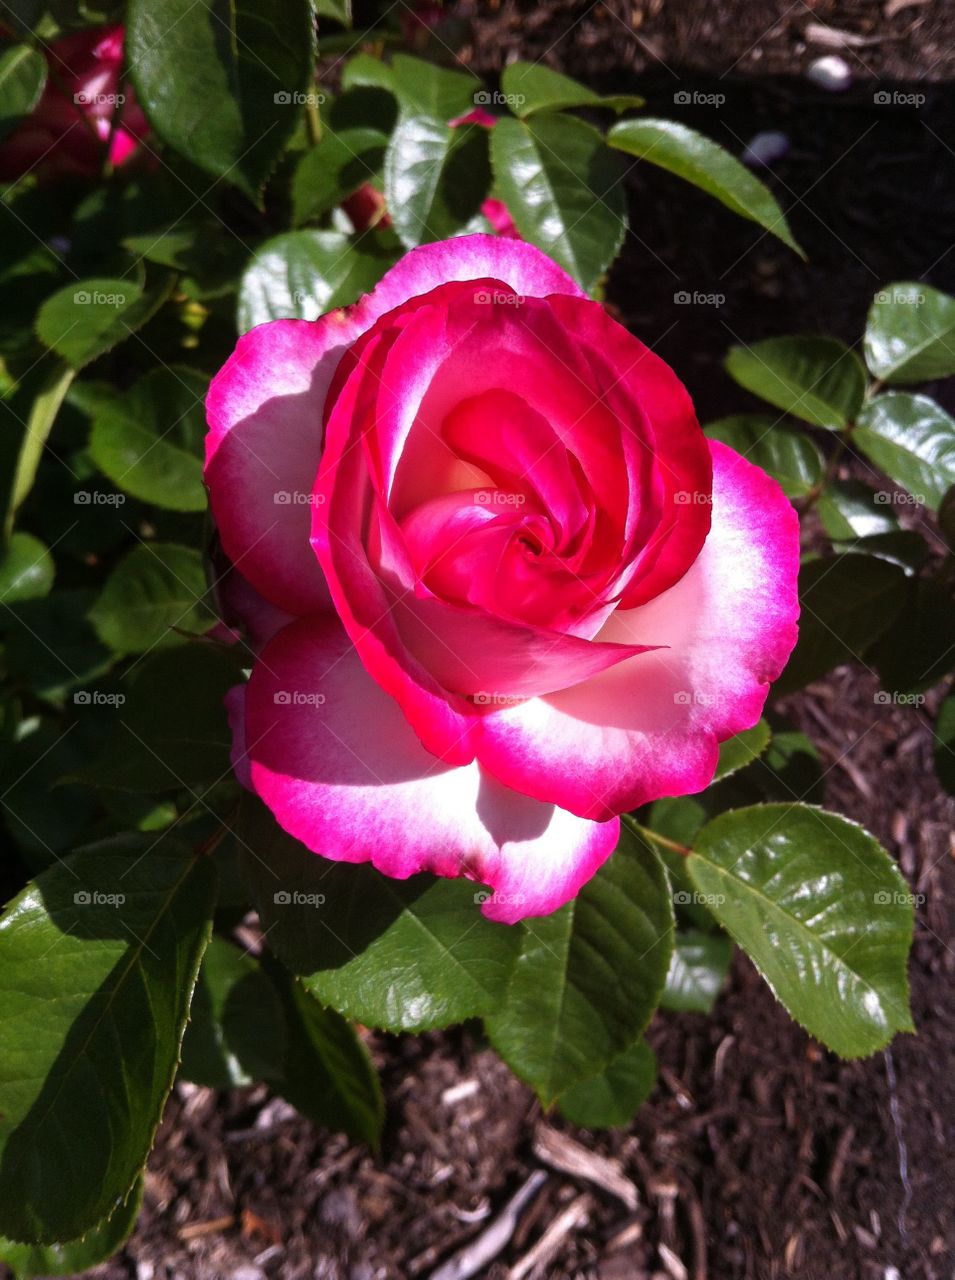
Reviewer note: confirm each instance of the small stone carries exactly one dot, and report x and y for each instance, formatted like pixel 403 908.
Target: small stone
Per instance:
pixel 830 72
pixel 765 149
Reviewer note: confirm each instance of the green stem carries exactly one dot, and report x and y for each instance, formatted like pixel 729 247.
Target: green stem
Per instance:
pixel 313 121
pixel 665 841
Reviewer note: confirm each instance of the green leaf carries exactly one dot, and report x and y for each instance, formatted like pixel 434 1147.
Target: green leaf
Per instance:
pixel 223 84
pixel 707 165
pixel 589 976
pixel 911 439
pixel 918 649
pixel 945 744
pixel 423 88
pixel 787 454
pixel 148 440
pixel 698 970
pixel 89 317
pixel 337 10
pixel 847 602
pixel 364 71
pixel 609 1100
pixel 910 333
pixel 822 911
pixel 850 509
pixel 327 1074
pixel 817 379
pixel 331 171
pixel 51 645
pixel 304 274
pixel 173 732
pixel 22 77
pixel 562 187
pixel 26 569
pixel 156 587
pixel 98 1244
pixel 742 749
pixel 530 87
pixel 43 410
pixel 98 959
pixel 903 547
pixel 236 1032
pixel 403 955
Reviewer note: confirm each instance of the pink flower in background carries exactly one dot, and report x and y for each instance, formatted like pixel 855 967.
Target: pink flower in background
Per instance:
pixel 73 121
pixel 366 208
pixel 499 216
pixel 503 587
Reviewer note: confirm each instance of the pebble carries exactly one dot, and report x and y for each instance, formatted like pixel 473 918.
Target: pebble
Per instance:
pixel 765 149
pixel 830 72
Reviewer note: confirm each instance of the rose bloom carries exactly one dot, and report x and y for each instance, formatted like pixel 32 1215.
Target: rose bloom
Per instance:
pixel 73 121
pixel 501 586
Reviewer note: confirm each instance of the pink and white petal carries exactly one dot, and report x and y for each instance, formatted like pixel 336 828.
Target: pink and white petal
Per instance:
pixel 650 727
pixel 263 448
pixel 337 763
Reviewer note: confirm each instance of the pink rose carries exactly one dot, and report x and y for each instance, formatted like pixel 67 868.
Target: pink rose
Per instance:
pixel 504 588
pixel 72 123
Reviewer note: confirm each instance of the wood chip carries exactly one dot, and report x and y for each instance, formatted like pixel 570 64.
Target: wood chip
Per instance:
pixel 560 1152
pixel 484 1248
pixel 575 1215
pixel 674 1267
pixel 835 38
pixel 193 1230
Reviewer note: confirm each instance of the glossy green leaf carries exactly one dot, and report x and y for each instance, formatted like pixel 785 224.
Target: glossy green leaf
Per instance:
pixel 910 333
pixel 236 1032
pixel 911 439
pixel 89 317
pixel 223 84
pixel 850 509
pixel 337 10
pixel 609 1100
pixel 918 649
pixel 97 963
pixel 707 165
pixel 148 440
pixel 77 1256
pixel 303 274
pixel 697 972
pixel 22 77
pixel 435 176
pixel 822 911
pixel 788 455
pixel 945 744
pixel 816 379
pixel 562 188
pixel 530 87
pixel 327 1073
pixel 337 166
pixel 364 71
pixel 54 383
pixel 903 547
pixel 403 955
pixel 847 602
pixel 589 976
pixel 172 731
pixel 26 569
pixel 157 587
pixel 742 749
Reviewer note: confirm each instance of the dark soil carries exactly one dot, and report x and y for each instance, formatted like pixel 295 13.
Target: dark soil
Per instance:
pixel 759 1155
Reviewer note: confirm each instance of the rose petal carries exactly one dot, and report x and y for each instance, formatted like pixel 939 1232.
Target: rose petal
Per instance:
pixel 337 763
pixel 651 726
